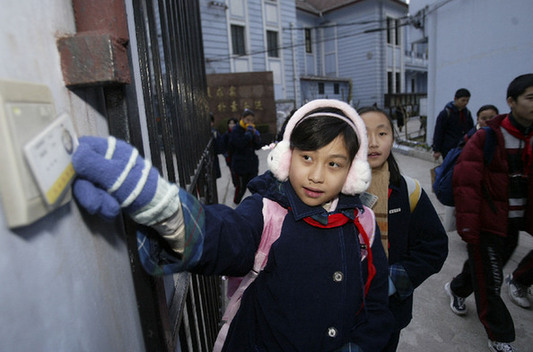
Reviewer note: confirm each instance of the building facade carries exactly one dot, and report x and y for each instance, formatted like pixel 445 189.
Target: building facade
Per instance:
pixel 250 36
pixel 357 46
pixel 356 51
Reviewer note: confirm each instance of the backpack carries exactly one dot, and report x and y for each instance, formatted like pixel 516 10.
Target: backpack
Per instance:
pixel 272 212
pixel 443 184
pixel 413 189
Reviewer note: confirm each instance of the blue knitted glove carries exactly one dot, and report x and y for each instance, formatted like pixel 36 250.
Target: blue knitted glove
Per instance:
pixel 112 175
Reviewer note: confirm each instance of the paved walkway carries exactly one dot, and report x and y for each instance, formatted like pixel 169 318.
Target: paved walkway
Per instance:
pixel 434 327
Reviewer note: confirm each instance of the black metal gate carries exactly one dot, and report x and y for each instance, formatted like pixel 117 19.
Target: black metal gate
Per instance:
pixel 182 312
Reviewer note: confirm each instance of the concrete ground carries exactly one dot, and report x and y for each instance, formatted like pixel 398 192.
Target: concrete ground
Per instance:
pixel 434 326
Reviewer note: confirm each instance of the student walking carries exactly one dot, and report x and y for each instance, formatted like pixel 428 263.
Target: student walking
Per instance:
pixel 325 283
pixel 218 146
pixel 411 231
pixel 453 122
pixel 493 203
pixel 232 122
pixel 484 113
pixel 244 140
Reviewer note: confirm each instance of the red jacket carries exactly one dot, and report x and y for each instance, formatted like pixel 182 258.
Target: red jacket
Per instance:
pixel 481 191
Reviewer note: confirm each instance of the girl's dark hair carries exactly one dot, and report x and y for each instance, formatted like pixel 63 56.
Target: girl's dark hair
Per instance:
pixel 394 169
pixel 487 107
pixel 315 132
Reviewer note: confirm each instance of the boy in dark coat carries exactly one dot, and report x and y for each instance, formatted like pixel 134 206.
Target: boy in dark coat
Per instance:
pixel 244 140
pixel 453 122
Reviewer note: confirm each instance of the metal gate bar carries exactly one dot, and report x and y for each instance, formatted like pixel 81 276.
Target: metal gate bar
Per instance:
pixel 174 89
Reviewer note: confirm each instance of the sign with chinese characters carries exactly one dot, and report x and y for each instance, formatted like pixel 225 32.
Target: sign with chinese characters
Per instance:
pixel 230 93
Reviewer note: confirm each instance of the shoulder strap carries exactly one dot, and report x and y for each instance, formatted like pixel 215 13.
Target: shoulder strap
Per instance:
pixel 490 145
pixel 367 219
pixel 365 222
pixel 272 213
pixel 414 189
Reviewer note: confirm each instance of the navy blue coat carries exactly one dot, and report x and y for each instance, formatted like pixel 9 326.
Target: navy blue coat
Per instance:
pixel 295 304
pixel 242 146
pixel 418 246
pixel 449 128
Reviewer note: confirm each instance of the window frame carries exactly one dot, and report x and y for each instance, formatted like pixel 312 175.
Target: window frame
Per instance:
pixel 238 40
pixel 389 30
pixel 308 41
pixel 398 83
pixel 397 32
pixel 272 43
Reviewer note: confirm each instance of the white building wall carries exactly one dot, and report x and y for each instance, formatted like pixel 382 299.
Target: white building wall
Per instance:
pixel 216 37
pixel 66 282
pixel 480 45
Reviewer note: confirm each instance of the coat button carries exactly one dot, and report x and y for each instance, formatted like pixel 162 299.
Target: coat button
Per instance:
pixel 332 332
pixel 338 276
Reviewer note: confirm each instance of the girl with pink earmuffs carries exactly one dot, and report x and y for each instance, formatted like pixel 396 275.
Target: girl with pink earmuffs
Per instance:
pixel 315 278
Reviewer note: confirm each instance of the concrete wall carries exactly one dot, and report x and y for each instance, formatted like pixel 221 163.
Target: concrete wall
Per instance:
pixel 477 44
pixel 66 280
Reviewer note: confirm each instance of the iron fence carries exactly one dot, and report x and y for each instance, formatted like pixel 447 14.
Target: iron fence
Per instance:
pixel 179 312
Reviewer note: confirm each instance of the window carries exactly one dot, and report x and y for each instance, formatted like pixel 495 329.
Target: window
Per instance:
pixel 389 82
pixel 336 89
pixel 393 31
pixel 397 32
pixel 321 88
pixel 272 44
pixel 389 30
pixel 237 39
pixel 398 83
pixel 308 43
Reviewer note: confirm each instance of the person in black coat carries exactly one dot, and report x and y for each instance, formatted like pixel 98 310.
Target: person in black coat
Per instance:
pixel 244 141
pixel 453 122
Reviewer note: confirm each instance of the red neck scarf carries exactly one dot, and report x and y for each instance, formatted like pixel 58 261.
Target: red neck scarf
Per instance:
pixel 339 219
pixel 527 152
pixel 462 116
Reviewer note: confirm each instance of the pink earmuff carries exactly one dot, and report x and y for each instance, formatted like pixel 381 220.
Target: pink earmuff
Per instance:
pixel 359 176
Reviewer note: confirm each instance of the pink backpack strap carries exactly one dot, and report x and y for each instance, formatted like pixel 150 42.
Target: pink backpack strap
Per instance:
pixel 366 224
pixel 273 215
pixel 367 219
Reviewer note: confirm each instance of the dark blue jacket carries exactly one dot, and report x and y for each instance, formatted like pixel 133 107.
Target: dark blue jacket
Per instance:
pixel 450 128
pixel 418 247
pixel 297 303
pixel 242 145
